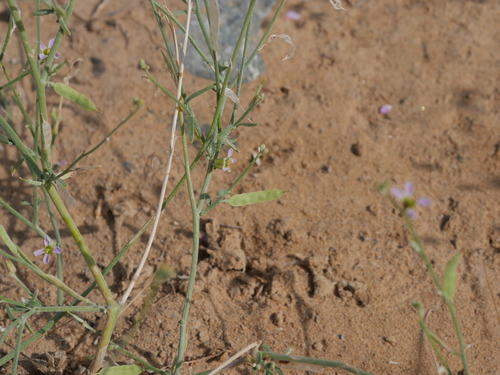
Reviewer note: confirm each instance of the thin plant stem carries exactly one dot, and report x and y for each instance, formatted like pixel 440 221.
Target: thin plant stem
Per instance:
pixel 456 324
pixel 312 361
pixel 60 315
pixel 119 348
pixel 82 246
pixel 19 341
pixel 139 104
pixel 113 309
pixel 182 345
pixel 19 102
pixel 20 217
pixel 167 171
pixel 264 37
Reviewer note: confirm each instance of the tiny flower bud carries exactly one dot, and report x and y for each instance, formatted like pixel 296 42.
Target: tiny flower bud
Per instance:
pixel 10 266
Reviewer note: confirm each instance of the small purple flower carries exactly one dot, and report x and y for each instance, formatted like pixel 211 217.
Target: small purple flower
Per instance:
pixel 385 109
pixel 47 250
pixel 293 15
pixel 44 51
pixel 407 198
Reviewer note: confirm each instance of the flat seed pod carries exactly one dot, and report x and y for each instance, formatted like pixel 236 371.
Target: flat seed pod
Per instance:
pixel 255 197
pixel 121 370
pixel 71 94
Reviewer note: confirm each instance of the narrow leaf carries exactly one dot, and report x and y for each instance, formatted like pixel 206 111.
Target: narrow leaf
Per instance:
pixel 214 25
pixel 450 277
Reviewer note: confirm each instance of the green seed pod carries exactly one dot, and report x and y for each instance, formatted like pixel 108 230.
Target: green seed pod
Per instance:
pixel 69 93
pixel 255 197
pixel 121 370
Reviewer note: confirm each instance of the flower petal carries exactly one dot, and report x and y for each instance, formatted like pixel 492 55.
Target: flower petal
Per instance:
pixel 42 56
pixel 385 109
pixel 51 43
pixel 226 169
pixel 233 160
pixel 57 55
pixel 424 201
pixel 398 194
pixel 410 212
pixel 42 46
pixel 230 153
pixel 46 259
pixel 293 15
pixel 57 250
pixel 47 240
pixel 39 252
pixel 409 189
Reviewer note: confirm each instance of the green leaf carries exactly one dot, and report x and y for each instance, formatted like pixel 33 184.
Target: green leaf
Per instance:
pixel 16 166
pixel 416 246
pixel 43 12
pixel 71 94
pixel 255 197
pixel 250 124
pixel 450 278
pixel 223 193
pixel 190 128
pixel 121 370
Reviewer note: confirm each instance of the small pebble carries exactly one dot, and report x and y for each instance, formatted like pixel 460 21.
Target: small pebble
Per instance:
pixel 277 318
pixel 357 149
pixel 317 346
pixel 98 66
pixel 129 166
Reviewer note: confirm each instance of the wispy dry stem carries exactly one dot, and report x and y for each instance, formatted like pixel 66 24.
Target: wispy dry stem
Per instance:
pixel 169 163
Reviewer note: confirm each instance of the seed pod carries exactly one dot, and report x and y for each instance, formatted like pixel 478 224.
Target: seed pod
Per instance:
pixel 255 197
pixel 121 370
pixel 69 93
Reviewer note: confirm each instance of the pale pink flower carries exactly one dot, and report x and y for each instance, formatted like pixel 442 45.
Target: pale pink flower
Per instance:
pixel 47 250
pixel 408 200
pixel 44 51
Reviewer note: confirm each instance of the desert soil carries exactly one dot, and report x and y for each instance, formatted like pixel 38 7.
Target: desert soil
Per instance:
pixel 328 268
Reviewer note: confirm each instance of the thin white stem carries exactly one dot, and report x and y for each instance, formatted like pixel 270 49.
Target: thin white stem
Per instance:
pixel 235 357
pixel 169 163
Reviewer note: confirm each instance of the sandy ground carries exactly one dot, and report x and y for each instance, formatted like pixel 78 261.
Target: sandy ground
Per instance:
pixel 327 267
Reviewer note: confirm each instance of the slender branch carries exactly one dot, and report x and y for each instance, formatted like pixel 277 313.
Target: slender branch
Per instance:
pixel 167 171
pixel 181 349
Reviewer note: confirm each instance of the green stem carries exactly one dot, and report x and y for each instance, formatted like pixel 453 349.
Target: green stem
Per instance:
pixel 19 102
pixel 113 311
pixel 264 37
pixel 139 104
pixel 9 208
pixel 312 361
pixel 181 350
pixel 60 315
pixel 82 246
pixel 60 273
pixel 461 343
pixel 19 340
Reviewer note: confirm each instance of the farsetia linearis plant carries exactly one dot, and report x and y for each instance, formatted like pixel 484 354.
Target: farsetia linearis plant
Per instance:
pixel 49 186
